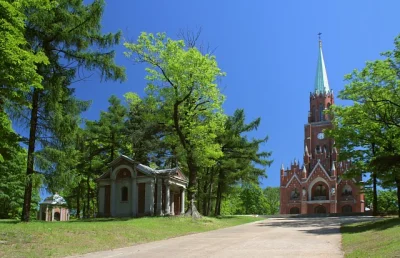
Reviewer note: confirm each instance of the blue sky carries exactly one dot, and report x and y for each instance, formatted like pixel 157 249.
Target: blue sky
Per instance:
pixel 268 50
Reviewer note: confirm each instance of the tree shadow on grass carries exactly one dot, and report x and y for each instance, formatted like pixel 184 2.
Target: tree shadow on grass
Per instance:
pixel 101 220
pixel 373 225
pixel 9 221
pixel 224 217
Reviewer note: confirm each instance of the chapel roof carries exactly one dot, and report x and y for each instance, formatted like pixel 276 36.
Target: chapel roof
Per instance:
pixel 55 199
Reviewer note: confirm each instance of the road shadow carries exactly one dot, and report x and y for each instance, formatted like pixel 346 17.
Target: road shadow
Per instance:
pixel 314 225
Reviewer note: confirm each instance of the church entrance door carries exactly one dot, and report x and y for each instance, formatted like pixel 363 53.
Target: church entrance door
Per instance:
pixel 320 209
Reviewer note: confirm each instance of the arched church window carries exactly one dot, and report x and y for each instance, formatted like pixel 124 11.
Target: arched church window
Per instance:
pixel 294 194
pixel 321 112
pixel 124 194
pixel 318 149
pixel 320 192
pixel 347 191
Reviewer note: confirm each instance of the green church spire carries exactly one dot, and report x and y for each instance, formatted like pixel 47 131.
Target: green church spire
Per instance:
pixel 321 78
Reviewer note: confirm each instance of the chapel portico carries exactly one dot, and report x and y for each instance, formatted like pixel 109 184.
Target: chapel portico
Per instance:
pixel 128 189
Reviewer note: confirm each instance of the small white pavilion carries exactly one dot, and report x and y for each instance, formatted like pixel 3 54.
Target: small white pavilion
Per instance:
pixel 130 189
pixel 54 208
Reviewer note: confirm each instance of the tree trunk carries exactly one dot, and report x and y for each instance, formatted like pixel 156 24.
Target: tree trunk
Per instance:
pixel 26 209
pixel 375 195
pixel 397 179
pixel 374 192
pixel 78 203
pixel 205 201
pixel 192 209
pixel 218 200
pixel 210 191
pixel 219 193
pixel 112 146
pixel 88 197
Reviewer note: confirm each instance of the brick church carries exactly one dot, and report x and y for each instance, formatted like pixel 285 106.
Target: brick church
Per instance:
pixel 318 186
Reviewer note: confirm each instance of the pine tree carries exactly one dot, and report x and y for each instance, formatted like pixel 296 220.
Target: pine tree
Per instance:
pixel 70 35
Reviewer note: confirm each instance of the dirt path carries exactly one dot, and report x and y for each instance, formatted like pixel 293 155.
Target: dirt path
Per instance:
pixel 275 237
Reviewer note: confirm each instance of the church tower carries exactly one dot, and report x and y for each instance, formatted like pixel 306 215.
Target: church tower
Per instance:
pixel 317 186
pixel 319 148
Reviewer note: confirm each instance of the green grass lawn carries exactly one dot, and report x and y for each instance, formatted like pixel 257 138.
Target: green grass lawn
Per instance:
pixel 55 239
pixel 372 239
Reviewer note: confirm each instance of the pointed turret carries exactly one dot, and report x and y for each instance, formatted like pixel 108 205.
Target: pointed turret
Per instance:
pixel 333 169
pixel 321 78
pixel 306 158
pixel 304 174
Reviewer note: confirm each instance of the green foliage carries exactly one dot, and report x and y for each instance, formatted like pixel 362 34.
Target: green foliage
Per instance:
pixel 387 200
pixel 69 35
pixel 242 162
pixel 145 137
pixel 232 204
pixel 12 184
pixel 182 86
pixel 272 199
pixel 182 91
pixel 18 62
pixel 253 199
pixel 368 132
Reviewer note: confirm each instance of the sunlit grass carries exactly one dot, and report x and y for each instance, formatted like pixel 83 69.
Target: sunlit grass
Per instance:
pixel 372 239
pixel 55 239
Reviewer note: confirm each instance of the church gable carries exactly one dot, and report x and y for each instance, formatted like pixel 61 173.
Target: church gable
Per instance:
pixel 291 179
pixel 319 171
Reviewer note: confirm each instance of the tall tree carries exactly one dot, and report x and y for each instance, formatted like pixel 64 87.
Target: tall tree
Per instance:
pixel 144 137
pixel 242 162
pixel 182 84
pixel 374 118
pixel 70 35
pixel 18 64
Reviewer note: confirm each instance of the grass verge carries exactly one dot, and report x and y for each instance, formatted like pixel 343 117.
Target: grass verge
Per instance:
pixel 372 239
pixel 56 239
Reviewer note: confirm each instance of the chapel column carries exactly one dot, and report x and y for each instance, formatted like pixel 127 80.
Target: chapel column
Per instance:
pixel 113 198
pixel 159 197
pixel 134 197
pixel 183 201
pixel 149 198
pixel 52 214
pixel 172 194
pixel 167 198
